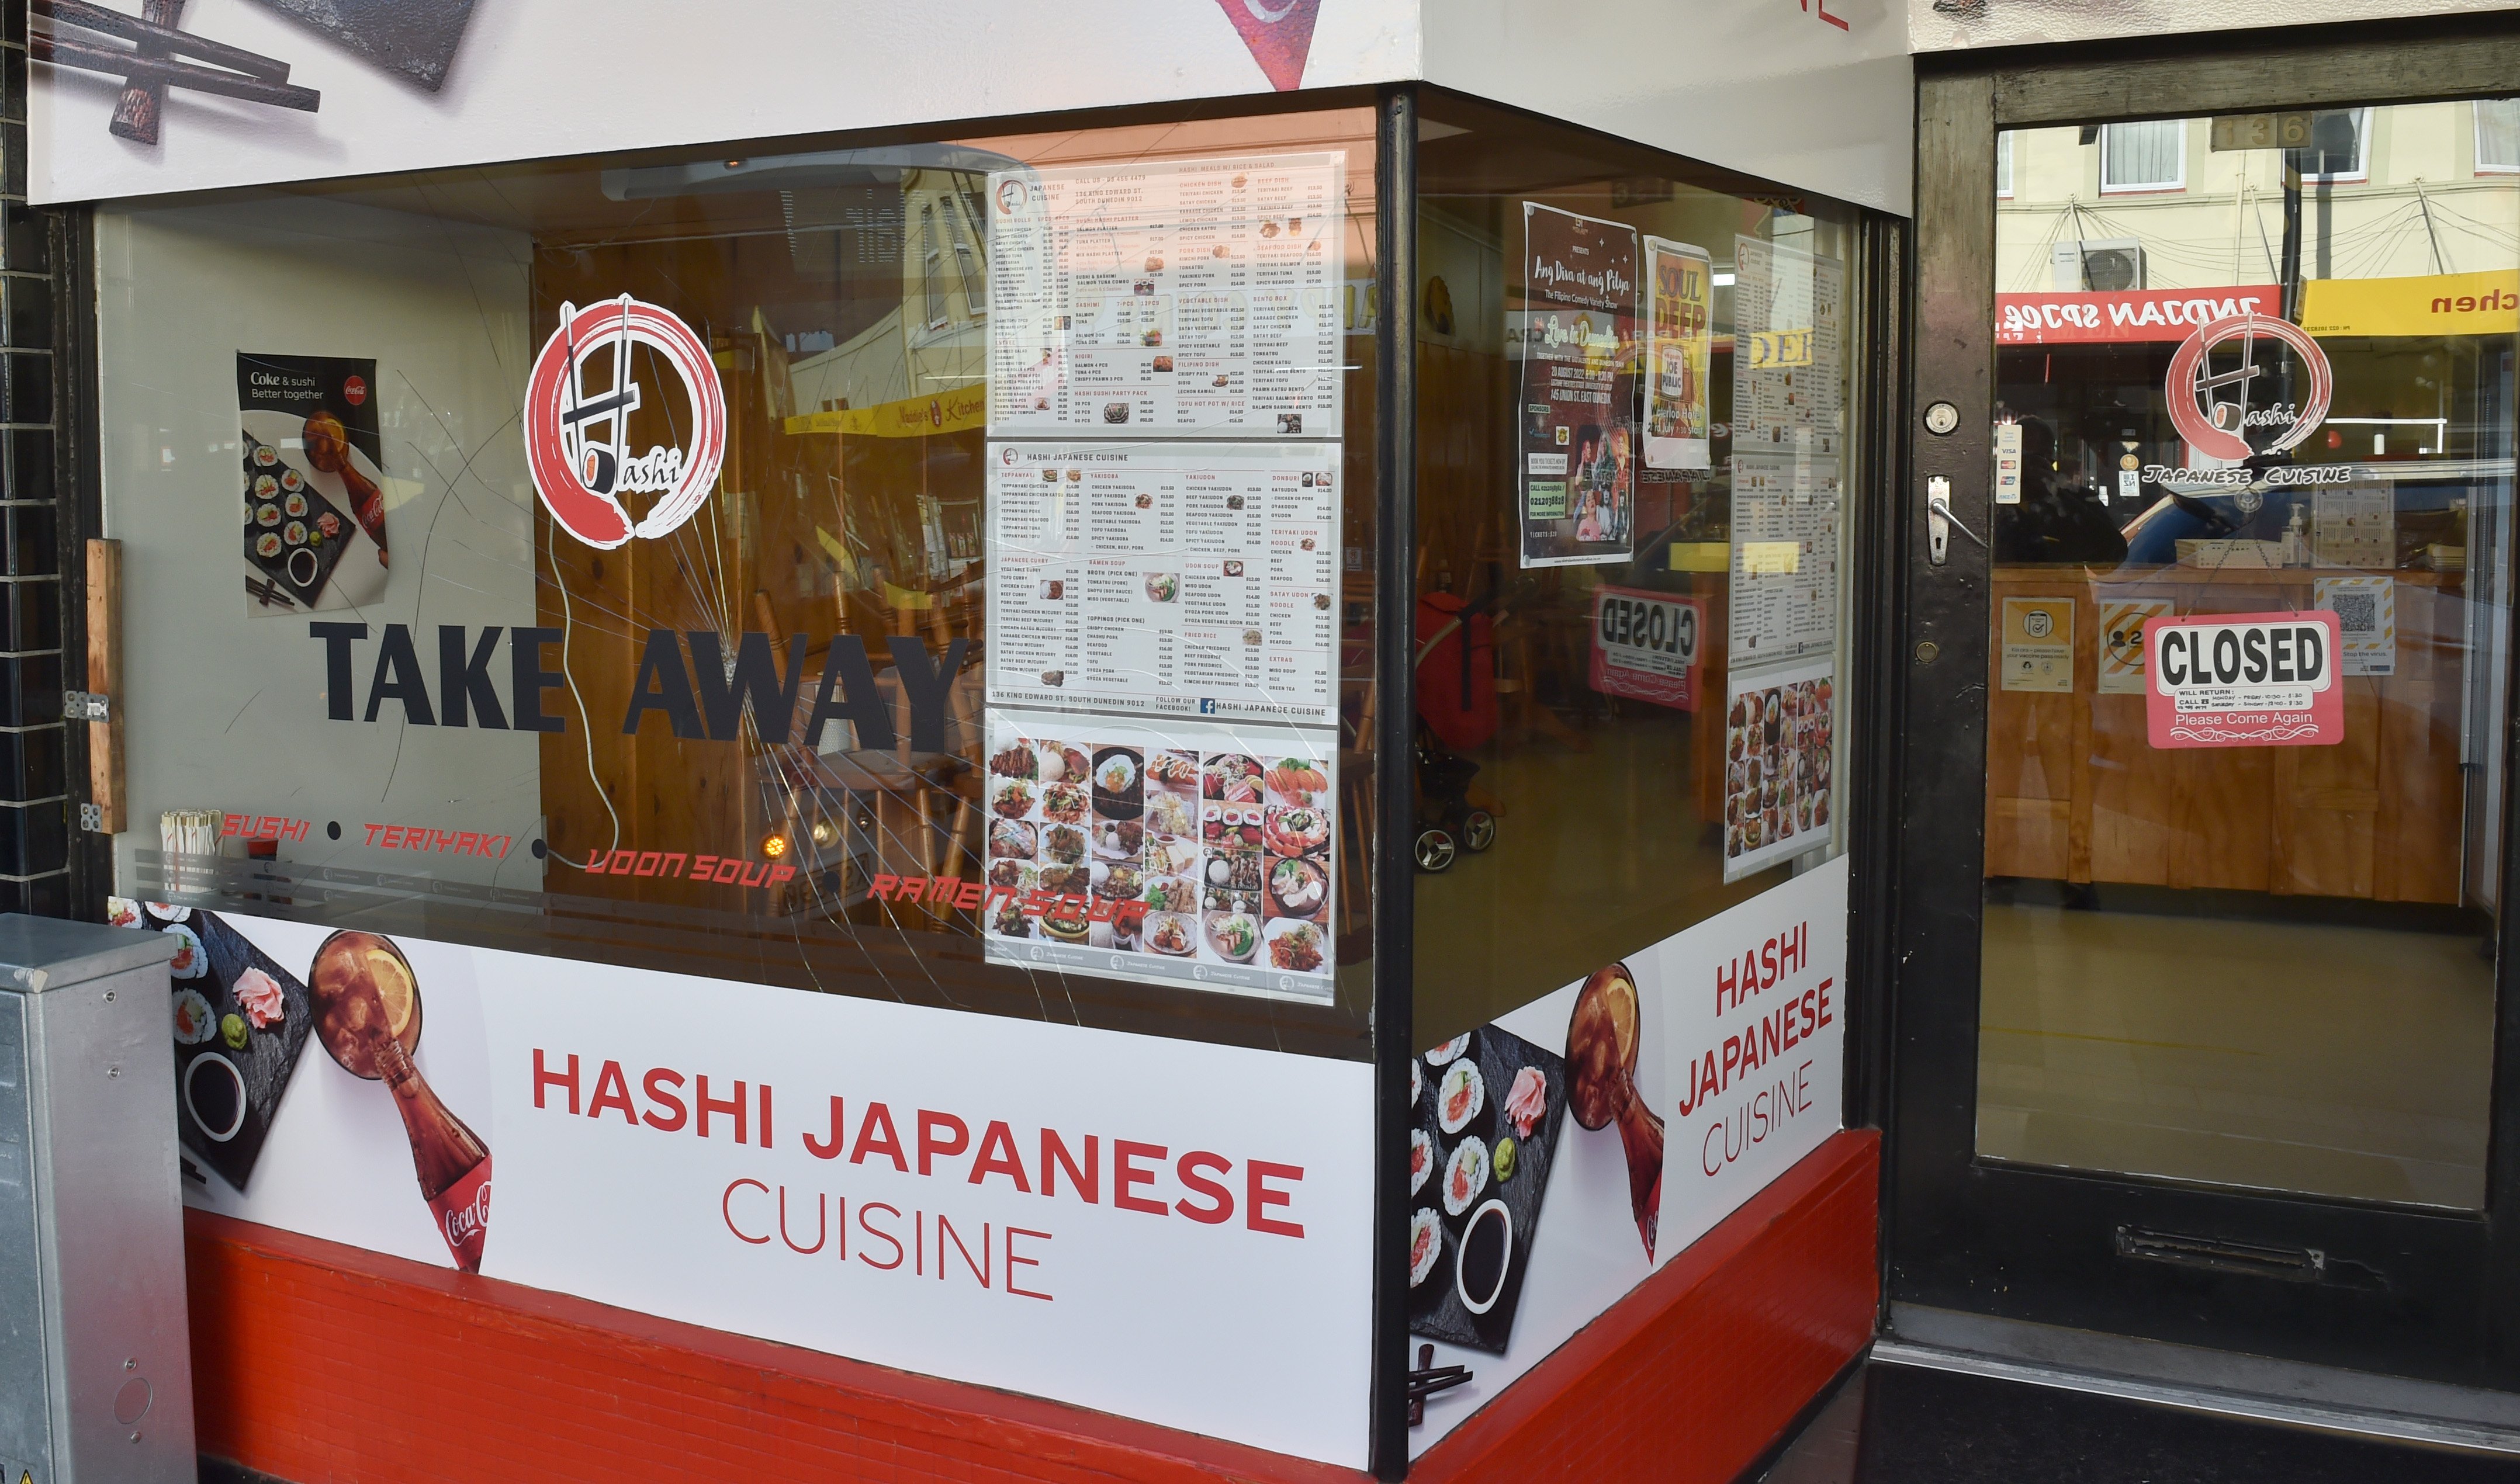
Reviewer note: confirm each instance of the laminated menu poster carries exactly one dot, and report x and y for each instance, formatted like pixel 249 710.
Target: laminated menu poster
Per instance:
pixel 313 476
pixel 1780 754
pixel 1785 557
pixel 1679 325
pixel 1195 579
pixel 1575 333
pixel 1186 854
pixel 1788 313
pixel 1180 298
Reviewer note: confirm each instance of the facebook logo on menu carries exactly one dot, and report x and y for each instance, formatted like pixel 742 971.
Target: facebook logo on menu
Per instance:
pixel 1206 706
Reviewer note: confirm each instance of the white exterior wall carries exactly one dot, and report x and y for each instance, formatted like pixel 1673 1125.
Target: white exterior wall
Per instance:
pixel 1933 28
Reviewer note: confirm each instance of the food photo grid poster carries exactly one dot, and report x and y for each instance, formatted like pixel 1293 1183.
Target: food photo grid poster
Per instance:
pixel 310 468
pixel 1190 855
pixel 1679 350
pixel 1036 1207
pixel 1574 331
pixel 1563 1152
pixel 1780 764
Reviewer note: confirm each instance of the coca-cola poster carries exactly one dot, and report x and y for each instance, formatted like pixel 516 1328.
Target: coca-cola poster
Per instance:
pixel 310 468
pixel 1574 333
pixel 1038 1207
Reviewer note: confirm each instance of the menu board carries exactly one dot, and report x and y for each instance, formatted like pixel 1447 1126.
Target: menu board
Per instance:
pixel 1785 557
pixel 1183 579
pixel 1788 342
pixel 1185 854
pixel 1575 335
pixel 1180 298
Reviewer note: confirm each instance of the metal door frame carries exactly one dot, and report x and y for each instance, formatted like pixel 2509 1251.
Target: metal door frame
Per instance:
pixel 2428 1295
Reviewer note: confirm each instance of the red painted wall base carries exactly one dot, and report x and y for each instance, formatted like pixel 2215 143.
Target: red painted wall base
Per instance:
pixel 331 1364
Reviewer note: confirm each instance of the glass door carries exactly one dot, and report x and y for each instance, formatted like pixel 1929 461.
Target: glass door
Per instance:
pixel 2226 605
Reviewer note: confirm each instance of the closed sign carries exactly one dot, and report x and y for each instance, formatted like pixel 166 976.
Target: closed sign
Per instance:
pixel 1645 645
pixel 2244 680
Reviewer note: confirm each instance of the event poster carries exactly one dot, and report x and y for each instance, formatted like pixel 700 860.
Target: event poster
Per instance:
pixel 1575 333
pixel 1181 579
pixel 311 471
pixel 1185 854
pixel 1184 299
pixel 1679 324
pixel 973 1196
pixel 1780 760
pixel 1567 1150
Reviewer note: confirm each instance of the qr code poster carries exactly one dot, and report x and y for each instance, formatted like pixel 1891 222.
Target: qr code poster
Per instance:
pixel 2366 611
pixel 2120 641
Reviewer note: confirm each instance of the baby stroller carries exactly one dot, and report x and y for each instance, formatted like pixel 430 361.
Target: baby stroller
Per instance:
pixel 1456 711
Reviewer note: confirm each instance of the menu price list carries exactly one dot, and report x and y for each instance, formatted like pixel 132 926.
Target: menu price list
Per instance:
pixel 1181 579
pixel 1190 854
pixel 1168 298
pixel 1785 557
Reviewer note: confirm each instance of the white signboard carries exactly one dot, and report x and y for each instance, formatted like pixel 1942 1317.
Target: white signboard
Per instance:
pixel 1179 299
pixel 1038 1207
pixel 1738 1072
pixel 1193 579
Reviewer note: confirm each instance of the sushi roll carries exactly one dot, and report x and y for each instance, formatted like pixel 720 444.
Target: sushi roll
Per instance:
pixel 266 487
pixel 293 503
pixel 168 912
pixel 122 911
pixel 193 1021
pixel 296 533
pixel 292 481
pixel 266 514
pixel 1426 1243
pixel 1450 1049
pixel 1417 1082
pixel 1422 1159
pixel 265 455
pixel 1460 1097
pixel 267 545
pixel 1465 1175
pixel 190 961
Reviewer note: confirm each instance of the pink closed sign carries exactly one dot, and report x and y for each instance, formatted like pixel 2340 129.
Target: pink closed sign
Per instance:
pixel 2244 680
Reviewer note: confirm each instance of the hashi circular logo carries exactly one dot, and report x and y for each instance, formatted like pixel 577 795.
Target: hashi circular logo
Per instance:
pixel 581 477
pixel 2214 410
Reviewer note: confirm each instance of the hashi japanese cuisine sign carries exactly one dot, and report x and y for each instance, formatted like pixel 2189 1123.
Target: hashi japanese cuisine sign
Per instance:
pixel 1033 1206
pixel 2244 680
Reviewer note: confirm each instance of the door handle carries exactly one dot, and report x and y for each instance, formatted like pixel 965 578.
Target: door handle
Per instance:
pixel 1939 522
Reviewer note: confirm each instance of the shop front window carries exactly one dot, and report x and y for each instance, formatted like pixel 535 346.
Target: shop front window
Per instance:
pixel 929 571
pixel 2249 653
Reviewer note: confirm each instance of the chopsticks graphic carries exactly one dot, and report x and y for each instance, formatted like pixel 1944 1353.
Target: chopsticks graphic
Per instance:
pixel 151 65
pixel 269 592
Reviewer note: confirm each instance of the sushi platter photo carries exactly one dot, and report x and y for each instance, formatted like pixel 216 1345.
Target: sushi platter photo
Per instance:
pixel 1489 1108
pixel 239 1022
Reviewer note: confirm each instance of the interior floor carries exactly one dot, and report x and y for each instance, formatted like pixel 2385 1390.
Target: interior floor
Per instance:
pixel 2331 1060
pixel 1901 1424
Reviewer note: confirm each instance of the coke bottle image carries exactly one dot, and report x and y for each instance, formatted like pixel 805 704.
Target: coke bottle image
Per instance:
pixel 367 1015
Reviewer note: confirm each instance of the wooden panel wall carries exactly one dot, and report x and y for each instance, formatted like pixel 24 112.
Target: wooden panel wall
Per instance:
pixel 2075 792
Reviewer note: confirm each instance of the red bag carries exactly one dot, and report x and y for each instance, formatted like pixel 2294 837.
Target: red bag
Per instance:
pixel 1456 677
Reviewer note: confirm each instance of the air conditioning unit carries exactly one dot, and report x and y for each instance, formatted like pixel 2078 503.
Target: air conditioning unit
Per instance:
pixel 2109 265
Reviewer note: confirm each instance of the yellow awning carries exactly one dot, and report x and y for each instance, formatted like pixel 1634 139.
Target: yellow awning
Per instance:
pixel 2439 303
pixel 957 410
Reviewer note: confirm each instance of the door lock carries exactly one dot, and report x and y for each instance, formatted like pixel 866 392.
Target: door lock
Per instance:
pixel 1939 522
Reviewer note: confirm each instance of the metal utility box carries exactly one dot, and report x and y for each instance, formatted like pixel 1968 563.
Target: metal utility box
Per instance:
pixel 96 1376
